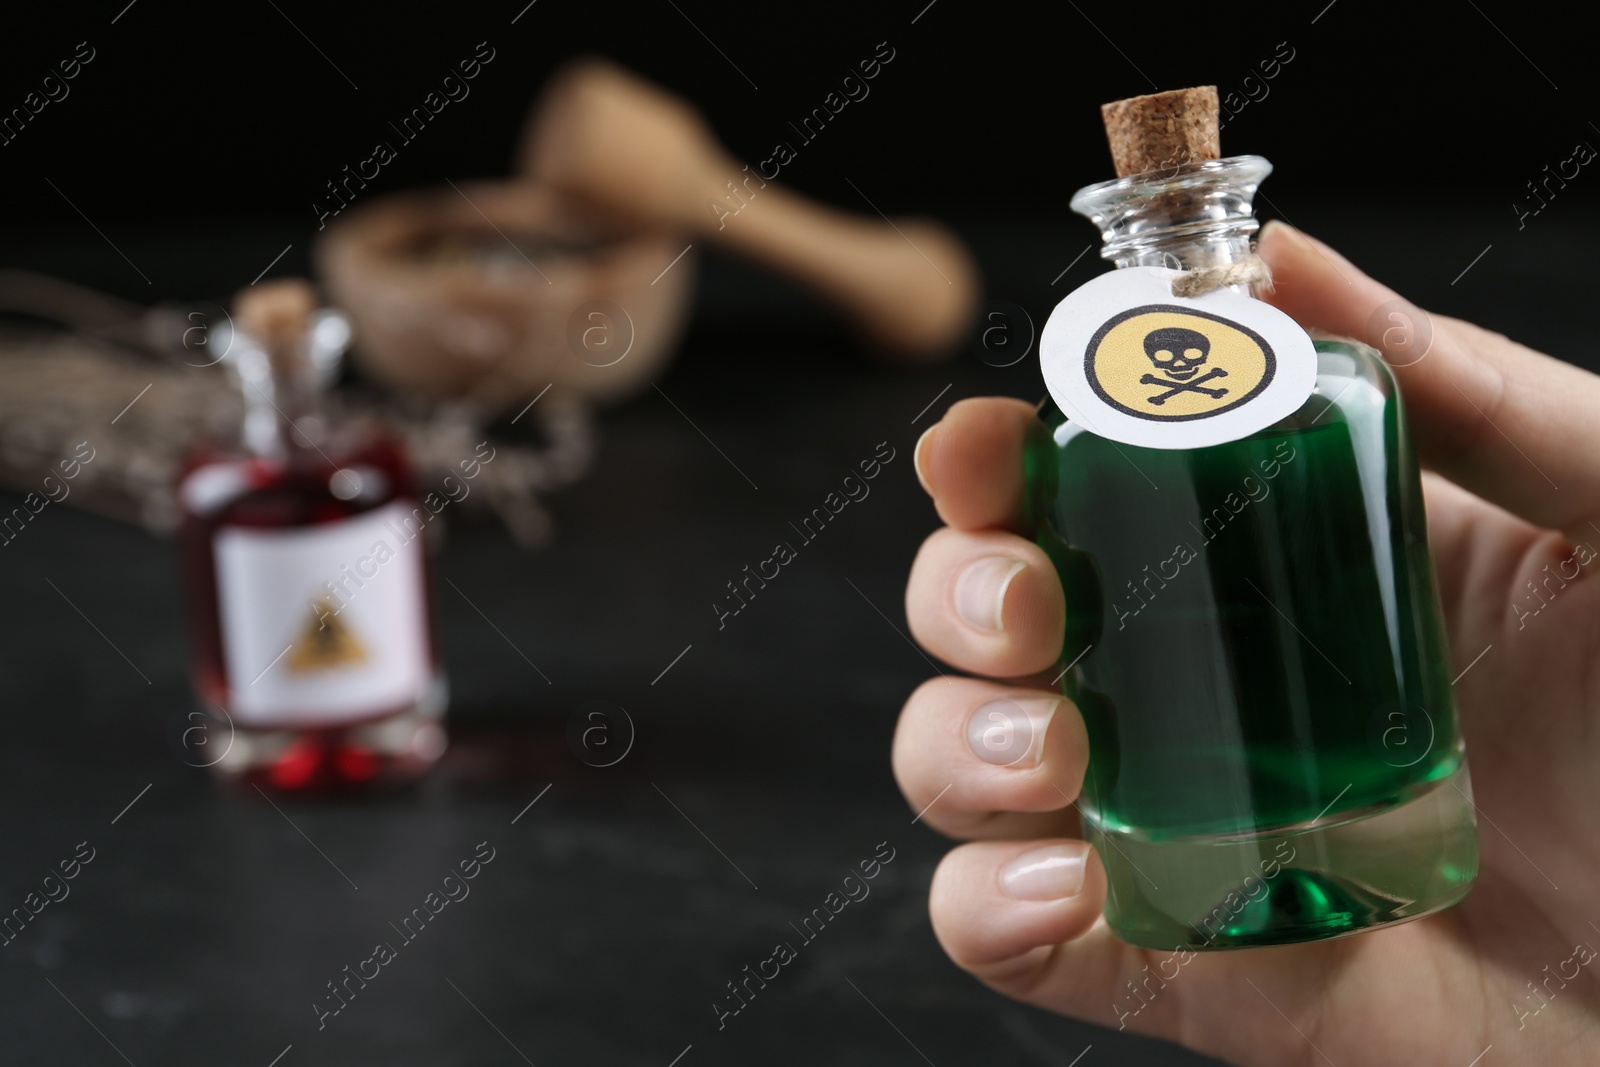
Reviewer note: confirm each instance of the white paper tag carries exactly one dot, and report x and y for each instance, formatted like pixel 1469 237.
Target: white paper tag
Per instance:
pixel 323 624
pixel 1129 361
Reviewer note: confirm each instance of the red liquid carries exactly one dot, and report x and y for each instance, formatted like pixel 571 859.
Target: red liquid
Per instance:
pixel 368 747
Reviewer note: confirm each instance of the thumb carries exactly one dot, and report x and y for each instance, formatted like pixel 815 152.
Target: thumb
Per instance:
pixel 1512 425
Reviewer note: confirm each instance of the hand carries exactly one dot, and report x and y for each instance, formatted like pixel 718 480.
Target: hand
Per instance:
pixel 1510 439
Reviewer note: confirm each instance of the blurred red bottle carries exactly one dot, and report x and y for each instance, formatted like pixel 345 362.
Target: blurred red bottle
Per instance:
pixel 310 605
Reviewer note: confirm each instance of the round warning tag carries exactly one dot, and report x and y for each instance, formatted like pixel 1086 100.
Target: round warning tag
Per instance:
pixel 1127 360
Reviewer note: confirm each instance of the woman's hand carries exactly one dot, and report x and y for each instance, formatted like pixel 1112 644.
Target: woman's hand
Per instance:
pixel 1511 442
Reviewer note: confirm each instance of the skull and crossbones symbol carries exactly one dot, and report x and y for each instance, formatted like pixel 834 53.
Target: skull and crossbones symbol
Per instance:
pixel 1177 354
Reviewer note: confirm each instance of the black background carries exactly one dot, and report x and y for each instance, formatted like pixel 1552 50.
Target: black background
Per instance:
pixel 230 122
pixel 196 142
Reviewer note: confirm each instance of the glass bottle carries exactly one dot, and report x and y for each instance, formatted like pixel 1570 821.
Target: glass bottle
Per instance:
pixel 1255 637
pixel 310 605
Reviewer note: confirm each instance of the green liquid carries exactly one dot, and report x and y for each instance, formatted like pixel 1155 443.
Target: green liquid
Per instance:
pixel 1265 655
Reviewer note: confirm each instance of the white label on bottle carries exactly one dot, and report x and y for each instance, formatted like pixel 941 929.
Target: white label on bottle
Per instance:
pixel 1127 360
pixel 323 624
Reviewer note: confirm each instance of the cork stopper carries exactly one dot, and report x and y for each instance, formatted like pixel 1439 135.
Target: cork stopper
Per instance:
pixel 1162 130
pixel 276 312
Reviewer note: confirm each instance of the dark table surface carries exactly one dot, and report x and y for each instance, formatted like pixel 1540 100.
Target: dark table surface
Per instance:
pixel 620 904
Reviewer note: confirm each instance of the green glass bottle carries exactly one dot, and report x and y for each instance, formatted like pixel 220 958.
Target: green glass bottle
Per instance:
pixel 1254 637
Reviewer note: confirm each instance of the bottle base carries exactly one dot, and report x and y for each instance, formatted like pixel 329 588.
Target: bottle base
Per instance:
pixel 1358 871
pixel 390 751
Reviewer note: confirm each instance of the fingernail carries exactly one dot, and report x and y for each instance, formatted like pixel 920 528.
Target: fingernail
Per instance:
pixel 981 591
pixel 924 443
pixel 1010 733
pixel 1273 226
pixel 1304 242
pixel 1048 873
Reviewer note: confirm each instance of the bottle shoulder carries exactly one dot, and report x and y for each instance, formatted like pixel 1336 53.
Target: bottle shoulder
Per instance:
pixel 1352 380
pixel 1346 358
pixel 361 473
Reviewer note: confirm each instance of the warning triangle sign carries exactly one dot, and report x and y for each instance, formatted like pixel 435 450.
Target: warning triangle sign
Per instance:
pixel 324 642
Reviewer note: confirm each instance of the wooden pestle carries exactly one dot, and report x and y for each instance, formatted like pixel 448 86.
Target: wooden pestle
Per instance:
pixel 621 145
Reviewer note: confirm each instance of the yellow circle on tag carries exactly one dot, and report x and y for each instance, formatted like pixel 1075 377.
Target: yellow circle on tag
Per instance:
pixel 1174 364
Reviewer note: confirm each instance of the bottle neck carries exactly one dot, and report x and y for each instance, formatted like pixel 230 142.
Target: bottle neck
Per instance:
pixel 1188 217
pixel 282 383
